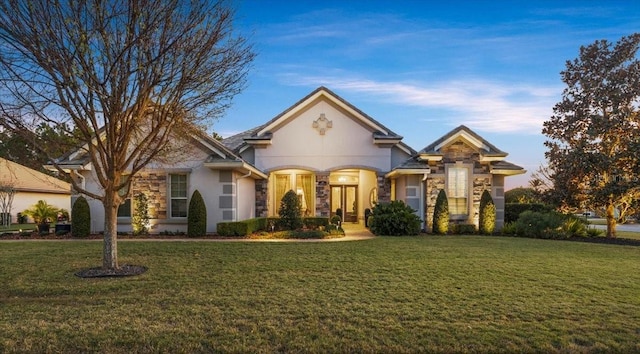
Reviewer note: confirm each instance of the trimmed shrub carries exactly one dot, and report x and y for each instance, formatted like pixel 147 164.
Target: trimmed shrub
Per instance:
pixel 197 216
pixel 463 229
pixel 335 220
pixel 315 223
pixel 487 218
pixel 80 218
pixel 441 214
pixel 539 225
pixel 140 217
pixel 509 229
pixel 394 219
pixel 290 211
pixel 238 228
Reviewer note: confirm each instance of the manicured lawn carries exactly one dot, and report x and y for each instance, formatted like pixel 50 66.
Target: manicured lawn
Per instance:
pixel 409 294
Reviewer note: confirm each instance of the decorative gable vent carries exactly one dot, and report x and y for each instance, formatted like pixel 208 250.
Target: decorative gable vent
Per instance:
pixel 322 124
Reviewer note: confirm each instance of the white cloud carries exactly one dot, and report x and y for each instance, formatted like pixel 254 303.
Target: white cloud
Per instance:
pixel 480 104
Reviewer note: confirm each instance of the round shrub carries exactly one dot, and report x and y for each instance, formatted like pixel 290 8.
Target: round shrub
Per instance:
pixel 290 211
pixel 487 219
pixel 80 218
pixel 197 216
pixel 441 214
pixel 394 219
pixel 335 220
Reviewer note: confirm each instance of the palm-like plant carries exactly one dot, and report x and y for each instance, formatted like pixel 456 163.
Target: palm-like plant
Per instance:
pixel 42 212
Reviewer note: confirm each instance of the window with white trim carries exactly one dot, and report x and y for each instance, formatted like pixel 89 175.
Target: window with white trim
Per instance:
pixel 458 190
pixel 178 195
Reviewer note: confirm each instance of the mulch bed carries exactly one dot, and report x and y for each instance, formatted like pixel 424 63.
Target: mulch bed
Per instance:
pixel 126 270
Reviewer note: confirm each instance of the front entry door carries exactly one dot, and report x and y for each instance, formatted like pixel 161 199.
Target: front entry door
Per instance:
pixel 345 198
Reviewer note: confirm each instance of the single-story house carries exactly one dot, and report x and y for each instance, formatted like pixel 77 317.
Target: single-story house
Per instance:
pixel 332 154
pixel 29 186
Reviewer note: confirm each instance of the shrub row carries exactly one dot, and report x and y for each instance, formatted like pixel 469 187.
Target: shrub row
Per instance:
pixel 246 227
pixel 549 225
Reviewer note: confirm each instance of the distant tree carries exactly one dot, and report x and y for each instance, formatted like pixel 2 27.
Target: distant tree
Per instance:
pixel 487 217
pixel 7 192
pixel 32 148
pixel 594 133
pixel 441 214
pixel 521 195
pixel 132 76
pixel 290 211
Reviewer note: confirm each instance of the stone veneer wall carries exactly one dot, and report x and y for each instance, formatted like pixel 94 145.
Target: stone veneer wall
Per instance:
pixel 384 188
pixel 262 197
pixel 154 185
pixel 434 185
pixel 323 192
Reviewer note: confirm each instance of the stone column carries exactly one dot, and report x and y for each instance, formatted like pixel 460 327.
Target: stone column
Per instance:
pixel 262 198
pixel 384 188
pixel 323 191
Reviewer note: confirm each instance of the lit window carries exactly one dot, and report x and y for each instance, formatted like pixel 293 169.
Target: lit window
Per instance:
pixel 178 195
pixel 124 209
pixel 458 190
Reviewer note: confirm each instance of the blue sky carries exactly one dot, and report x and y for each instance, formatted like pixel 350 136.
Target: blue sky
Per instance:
pixel 424 67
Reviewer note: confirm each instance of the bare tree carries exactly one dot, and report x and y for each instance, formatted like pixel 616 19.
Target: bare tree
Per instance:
pixel 128 75
pixel 7 192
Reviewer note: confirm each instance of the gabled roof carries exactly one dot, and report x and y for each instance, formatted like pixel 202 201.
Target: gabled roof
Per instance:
pixel 220 157
pixel 462 132
pixel 24 179
pixel 263 133
pixel 419 162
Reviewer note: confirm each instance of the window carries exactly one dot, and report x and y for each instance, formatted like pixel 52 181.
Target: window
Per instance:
pixel 124 210
pixel 458 190
pixel 178 195
pixel 283 185
pixel 301 183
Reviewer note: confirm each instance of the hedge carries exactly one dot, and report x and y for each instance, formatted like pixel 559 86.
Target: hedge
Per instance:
pixel 249 226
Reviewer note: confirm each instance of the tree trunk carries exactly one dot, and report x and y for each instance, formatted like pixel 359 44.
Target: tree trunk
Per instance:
pixel 611 221
pixel 110 248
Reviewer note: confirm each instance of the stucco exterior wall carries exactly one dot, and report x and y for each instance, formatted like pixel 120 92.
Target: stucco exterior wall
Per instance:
pixel 25 200
pixel 297 144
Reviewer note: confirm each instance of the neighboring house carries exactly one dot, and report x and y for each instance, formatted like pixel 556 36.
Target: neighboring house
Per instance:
pixel 331 153
pixel 30 186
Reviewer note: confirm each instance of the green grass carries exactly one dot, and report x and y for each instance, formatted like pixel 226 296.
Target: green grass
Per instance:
pixel 16 227
pixel 408 294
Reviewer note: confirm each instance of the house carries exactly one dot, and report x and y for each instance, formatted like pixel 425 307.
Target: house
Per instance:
pixel 332 154
pixel 29 186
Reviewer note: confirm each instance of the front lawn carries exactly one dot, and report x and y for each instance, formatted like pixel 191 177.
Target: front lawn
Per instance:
pixel 407 294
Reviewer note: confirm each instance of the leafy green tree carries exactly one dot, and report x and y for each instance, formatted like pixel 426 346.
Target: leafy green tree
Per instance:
pixel 80 218
pixel 290 211
pixel 487 217
pixel 594 133
pixel 132 76
pixel 441 214
pixel 197 216
pixel 394 219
